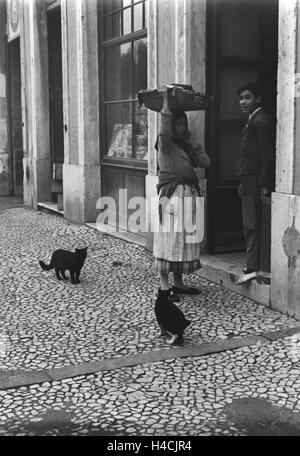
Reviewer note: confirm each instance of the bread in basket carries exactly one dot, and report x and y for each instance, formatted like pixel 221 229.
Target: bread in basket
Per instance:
pixel 181 96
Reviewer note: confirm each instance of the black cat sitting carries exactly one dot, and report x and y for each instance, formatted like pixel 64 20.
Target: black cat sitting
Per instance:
pixel 63 260
pixel 170 318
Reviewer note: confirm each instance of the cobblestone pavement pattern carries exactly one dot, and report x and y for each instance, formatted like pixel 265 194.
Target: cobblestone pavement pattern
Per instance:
pixel 46 324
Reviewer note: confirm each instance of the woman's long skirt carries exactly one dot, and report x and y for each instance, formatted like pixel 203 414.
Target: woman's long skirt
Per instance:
pixel 178 235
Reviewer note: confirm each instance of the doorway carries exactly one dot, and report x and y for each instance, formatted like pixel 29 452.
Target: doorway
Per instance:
pixel 56 104
pixel 242 47
pixel 15 114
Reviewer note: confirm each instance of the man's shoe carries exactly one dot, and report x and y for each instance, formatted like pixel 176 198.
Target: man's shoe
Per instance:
pixel 248 274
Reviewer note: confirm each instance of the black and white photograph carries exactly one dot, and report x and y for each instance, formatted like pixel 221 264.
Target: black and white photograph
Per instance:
pixel 149 221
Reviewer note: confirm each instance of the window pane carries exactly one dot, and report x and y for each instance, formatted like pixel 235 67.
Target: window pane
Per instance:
pixel 138 17
pixel 118 72
pixel 141 133
pixel 127 21
pixel 126 3
pixel 119 130
pixel 140 64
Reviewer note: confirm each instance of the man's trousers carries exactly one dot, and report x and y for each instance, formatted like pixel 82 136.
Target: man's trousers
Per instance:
pixel 251 207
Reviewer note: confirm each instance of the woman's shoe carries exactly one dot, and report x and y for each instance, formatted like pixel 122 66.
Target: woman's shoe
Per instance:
pixel 188 291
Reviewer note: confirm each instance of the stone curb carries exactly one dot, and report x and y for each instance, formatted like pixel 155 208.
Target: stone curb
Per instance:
pixel 281 333
pixel 16 379
pixel 125 236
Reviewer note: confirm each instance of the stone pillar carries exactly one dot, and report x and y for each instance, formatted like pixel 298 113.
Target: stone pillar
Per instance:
pixel 152 77
pixel 195 27
pixel 81 169
pixel 4 129
pixel 285 250
pixel 35 103
pixel 176 53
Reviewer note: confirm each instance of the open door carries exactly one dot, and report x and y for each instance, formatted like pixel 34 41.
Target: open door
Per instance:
pixel 56 103
pixel 242 47
pixel 15 114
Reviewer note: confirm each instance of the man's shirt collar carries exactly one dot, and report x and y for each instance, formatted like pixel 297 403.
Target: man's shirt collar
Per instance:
pixel 254 112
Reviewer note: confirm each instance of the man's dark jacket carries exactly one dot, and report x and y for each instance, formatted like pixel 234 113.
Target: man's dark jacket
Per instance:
pixel 257 153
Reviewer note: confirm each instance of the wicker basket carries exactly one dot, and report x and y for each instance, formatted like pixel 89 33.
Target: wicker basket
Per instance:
pixel 180 97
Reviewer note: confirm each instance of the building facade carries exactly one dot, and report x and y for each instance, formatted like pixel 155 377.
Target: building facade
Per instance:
pixel 71 130
pixel 4 129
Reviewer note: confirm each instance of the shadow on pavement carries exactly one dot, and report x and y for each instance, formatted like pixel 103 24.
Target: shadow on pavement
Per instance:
pixel 259 417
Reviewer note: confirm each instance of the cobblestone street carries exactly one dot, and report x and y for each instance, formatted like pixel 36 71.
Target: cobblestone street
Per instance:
pixel 87 359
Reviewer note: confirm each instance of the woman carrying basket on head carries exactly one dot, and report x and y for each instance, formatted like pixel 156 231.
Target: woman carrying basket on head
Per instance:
pixel 178 155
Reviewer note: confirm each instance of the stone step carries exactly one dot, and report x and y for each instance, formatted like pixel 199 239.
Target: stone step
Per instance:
pixel 51 207
pixel 226 273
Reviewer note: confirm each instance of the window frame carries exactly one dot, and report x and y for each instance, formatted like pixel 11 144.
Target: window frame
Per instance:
pixel 132 37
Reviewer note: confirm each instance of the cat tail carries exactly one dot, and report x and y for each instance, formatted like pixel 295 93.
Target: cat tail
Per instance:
pixel 46 267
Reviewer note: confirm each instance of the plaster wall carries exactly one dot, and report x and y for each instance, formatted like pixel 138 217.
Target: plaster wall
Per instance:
pixel 71 73
pixel 89 79
pixel 285 258
pixel 285 142
pixel 81 191
pixel 285 248
pixel 296 176
pixel 81 170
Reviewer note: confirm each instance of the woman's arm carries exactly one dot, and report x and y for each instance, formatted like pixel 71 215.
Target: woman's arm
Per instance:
pixel 200 157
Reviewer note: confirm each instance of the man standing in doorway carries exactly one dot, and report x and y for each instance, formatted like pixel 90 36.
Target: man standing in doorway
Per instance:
pixel 256 169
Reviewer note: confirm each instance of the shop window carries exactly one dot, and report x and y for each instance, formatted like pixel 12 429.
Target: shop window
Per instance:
pixel 124 65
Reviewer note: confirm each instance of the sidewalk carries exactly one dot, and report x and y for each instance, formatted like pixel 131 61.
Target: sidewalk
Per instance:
pixel 87 358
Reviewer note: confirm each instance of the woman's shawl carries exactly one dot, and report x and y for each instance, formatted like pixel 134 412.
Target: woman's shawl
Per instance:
pixel 169 179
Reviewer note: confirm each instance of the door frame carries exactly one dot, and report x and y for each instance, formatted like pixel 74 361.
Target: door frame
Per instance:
pixel 57 165
pixel 15 153
pixel 212 139
pixel 214 63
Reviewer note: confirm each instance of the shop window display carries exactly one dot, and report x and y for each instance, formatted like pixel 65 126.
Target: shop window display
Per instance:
pixel 125 73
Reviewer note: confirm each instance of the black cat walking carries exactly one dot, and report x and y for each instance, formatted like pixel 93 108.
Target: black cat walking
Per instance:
pixel 63 260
